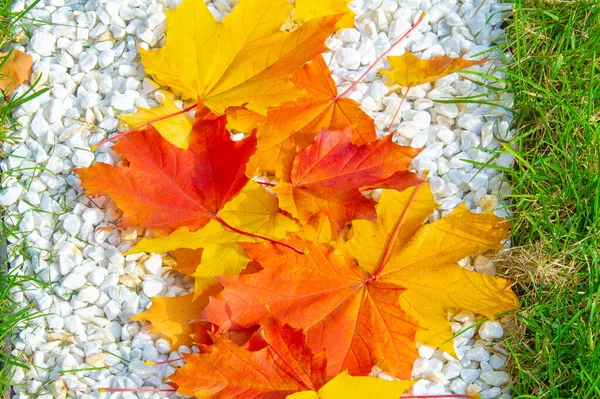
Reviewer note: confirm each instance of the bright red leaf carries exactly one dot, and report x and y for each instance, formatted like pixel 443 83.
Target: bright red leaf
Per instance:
pixel 165 187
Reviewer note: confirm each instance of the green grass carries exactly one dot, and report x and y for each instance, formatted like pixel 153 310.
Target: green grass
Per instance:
pixel 11 313
pixel 555 78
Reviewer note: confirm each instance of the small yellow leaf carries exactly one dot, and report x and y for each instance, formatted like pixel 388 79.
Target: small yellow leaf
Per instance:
pixel 172 316
pixel 345 386
pixel 15 70
pixel 175 129
pixel 308 9
pixel 409 70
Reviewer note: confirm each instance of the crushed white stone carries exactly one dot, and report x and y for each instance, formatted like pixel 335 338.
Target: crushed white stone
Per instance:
pixel 87 55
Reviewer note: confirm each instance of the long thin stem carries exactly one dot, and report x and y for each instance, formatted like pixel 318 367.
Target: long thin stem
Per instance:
pixel 386 52
pixel 265 183
pixel 230 227
pixel 459 395
pixel 149 363
pixel 398 110
pixel 100 390
pixel 162 118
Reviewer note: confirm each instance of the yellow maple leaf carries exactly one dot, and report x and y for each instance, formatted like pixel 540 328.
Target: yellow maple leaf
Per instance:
pixel 175 129
pixel 254 211
pixel 308 9
pixel 345 386
pixel 245 60
pixel 409 70
pixel 171 316
pixel 422 259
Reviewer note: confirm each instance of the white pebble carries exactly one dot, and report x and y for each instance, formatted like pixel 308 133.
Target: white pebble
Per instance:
pixel 349 58
pixel 72 224
pixel 93 216
pixel 152 287
pixel 491 330
pixel 43 43
pixel 497 362
pixel 154 265
pixel 121 102
pixel 349 35
pixel 162 345
pixel 10 195
pixel 478 354
pixel 73 281
pixel 495 378
pixel 469 375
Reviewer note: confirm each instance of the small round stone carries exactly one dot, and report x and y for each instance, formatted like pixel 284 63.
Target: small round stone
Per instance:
pixel 162 345
pixel 491 330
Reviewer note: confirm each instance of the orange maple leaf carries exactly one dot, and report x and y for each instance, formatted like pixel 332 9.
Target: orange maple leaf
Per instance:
pixel 14 70
pixel 187 260
pixel 328 175
pixel 367 311
pixel 165 187
pixel 275 364
pixel 294 125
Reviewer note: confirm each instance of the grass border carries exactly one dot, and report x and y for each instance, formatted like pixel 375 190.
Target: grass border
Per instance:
pixel 555 78
pixel 12 314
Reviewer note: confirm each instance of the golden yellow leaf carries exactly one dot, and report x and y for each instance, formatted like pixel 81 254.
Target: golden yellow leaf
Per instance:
pixel 409 70
pixel 15 70
pixel 245 60
pixel 242 119
pixel 345 386
pixel 175 129
pixel 308 9
pixel 426 263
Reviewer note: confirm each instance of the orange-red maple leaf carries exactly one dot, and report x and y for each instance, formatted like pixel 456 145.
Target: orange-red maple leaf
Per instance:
pixel 294 125
pixel 358 321
pixel 274 365
pixel 165 187
pixel 363 310
pixel 328 177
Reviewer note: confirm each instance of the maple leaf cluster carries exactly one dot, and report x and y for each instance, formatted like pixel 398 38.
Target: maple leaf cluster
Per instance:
pixel 302 283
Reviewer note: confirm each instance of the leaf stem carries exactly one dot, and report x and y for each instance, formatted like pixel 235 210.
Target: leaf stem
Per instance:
pixel 459 395
pixel 386 52
pixel 219 219
pixel 265 183
pixel 149 123
pixel 149 363
pixel 100 390
pixel 398 110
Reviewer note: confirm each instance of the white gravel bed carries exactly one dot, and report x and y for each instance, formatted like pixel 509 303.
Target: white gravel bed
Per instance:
pixel 87 55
